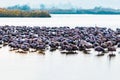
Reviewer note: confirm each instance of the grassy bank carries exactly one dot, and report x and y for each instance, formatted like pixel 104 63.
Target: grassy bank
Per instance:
pixel 21 13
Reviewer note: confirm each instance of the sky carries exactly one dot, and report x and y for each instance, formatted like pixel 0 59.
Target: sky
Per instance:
pixel 64 3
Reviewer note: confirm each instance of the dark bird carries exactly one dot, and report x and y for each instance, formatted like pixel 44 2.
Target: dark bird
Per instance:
pixel 99 49
pixel 111 49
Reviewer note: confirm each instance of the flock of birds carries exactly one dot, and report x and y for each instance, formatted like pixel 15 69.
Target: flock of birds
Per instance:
pixel 68 40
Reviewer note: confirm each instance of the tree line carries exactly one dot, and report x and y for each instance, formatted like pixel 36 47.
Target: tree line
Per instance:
pixel 21 13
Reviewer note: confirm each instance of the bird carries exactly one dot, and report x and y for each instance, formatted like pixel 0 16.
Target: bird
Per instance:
pixel 112 49
pixel 99 49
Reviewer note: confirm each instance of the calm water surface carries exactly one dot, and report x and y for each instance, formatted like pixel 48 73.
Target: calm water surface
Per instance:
pixel 53 65
pixel 111 21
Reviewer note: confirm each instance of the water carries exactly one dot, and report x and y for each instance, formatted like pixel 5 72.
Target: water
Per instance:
pixel 111 21
pixel 53 65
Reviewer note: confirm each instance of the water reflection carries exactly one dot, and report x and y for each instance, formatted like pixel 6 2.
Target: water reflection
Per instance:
pixel 56 66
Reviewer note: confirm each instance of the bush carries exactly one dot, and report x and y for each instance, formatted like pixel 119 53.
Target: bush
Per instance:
pixel 21 13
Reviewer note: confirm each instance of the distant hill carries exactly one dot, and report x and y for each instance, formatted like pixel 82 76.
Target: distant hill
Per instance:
pixel 22 13
pixel 96 10
pixel 55 10
pixel 20 7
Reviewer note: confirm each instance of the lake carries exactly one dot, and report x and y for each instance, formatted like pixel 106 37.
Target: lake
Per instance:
pixel 71 20
pixel 57 66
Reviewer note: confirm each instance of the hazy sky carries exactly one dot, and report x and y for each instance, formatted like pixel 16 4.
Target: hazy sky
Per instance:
pixel 64 3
